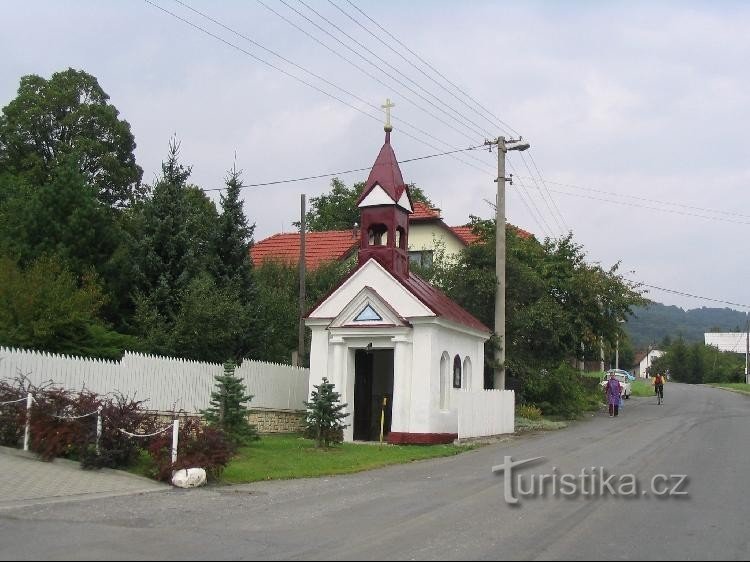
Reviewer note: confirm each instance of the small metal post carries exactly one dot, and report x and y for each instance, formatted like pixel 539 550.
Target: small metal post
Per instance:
pixel 27 431
pixel 98 429
pixel 175 438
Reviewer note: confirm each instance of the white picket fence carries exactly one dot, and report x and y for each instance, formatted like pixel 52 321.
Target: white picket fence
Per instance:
pixel 484 413
pixel 165 383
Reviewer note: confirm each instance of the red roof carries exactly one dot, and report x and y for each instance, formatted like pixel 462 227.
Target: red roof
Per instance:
pixel 440 303
pixel 335 245
pixel 385 173
pixel 424 212
pixel 465 234
pixel 320 247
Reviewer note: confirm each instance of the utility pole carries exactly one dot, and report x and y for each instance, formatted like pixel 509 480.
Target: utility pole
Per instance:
pixel 301 333
pixel 503 147
pixel 747 347
pixel 617 347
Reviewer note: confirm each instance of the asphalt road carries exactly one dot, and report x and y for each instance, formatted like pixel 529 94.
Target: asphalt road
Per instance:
pixel 452 508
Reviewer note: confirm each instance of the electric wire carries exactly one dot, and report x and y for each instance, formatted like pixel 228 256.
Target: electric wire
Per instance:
pixel 294 77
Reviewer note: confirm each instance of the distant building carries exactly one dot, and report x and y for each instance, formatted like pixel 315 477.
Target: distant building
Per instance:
pixel 643 362
pixel 734 342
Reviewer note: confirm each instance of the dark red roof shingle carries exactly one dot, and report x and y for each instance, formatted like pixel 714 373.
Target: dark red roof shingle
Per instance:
pixel 440 303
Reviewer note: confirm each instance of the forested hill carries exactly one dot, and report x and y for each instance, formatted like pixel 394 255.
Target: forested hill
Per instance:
pixel 653 323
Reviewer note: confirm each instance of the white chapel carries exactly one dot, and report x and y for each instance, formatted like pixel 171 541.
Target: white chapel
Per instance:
pixel 384 335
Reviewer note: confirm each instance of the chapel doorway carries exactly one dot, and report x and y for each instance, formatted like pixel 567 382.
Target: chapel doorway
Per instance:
pixel 373 381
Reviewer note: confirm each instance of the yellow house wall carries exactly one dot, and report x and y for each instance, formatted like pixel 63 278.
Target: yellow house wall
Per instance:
pixel 424 237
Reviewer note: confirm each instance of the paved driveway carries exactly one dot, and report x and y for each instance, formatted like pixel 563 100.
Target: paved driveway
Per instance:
pixel 26 481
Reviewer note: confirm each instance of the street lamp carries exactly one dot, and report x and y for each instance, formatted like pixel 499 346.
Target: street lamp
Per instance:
pixel 503 147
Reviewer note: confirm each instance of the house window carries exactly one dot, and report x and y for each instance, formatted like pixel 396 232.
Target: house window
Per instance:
pixel 421 258
pixel 456 372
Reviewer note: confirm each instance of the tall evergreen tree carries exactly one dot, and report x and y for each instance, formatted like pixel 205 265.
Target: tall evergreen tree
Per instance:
pixel 233 270
pixel 235 236
pixel 166 265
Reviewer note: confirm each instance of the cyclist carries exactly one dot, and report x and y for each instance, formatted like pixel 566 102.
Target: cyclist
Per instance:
pixel 659 387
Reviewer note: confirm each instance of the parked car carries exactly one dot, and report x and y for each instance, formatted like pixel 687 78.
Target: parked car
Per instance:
pixel 624 377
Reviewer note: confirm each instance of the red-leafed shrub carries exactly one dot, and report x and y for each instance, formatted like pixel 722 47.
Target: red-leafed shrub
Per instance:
pixel 12 414
pixel 60 426
pixel 117 449
pixel 198 446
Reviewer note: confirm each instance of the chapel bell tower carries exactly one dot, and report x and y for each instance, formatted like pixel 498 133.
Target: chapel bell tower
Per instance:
pixel 385 205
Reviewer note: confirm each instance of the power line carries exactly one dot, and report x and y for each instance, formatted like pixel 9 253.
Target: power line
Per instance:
pixel 307 83
pixel 297 78
pixel 379 39
pixel 554 214
pixel 303 69
pixel 546 228
pixel 683 294
pixel 342 172
pixel 423 61
pixel 549 208
pixel 652 208
pixel 650 200
pixel 383 61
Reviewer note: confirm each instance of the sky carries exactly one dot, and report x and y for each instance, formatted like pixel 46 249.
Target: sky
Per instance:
pixel 636 112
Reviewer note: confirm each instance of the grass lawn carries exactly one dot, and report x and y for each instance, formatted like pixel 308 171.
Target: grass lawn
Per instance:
pixel 541 424
pixel 642 387
pixel 290 456
pixel 741 386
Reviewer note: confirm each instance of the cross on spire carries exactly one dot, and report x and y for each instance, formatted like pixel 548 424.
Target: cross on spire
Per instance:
pixel 388 105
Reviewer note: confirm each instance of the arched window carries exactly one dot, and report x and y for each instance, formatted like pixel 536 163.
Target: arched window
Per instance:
pixel 456 372
pixel 377 235
pixel 467 373
pixel 444 380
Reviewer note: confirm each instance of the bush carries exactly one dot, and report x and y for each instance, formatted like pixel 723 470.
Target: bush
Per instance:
pixel 60 424
pixel 528 411
pixel 117 449
pixel 198 446
pixel 560 392
pixel 12 414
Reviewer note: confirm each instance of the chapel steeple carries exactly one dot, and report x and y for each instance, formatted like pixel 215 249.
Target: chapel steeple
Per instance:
pixel 385 205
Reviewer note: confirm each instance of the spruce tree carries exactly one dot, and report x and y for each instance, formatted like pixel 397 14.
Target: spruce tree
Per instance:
pixel 325 415
pixel 233 269
pixel 228 410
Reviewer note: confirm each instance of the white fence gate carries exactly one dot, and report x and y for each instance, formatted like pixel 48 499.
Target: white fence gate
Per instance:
pixel 485 412
pixel 165 383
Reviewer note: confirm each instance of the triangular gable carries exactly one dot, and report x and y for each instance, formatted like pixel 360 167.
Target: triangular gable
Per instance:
pixel 371 274
pixel 367 309
pixel 376 196
pixel 405 202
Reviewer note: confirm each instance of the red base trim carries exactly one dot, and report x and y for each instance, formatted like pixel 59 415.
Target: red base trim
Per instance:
pixel 398 438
